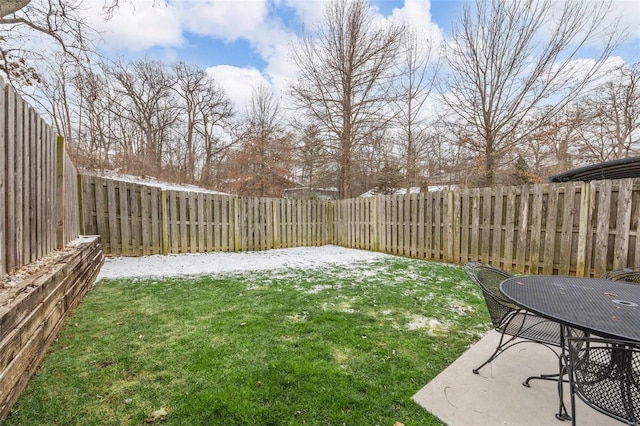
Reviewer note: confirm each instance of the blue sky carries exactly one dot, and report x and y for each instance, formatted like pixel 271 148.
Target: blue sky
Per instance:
pixel 243 43
pixel 237 50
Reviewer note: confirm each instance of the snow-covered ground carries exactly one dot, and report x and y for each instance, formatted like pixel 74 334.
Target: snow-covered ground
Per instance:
pixel 212 263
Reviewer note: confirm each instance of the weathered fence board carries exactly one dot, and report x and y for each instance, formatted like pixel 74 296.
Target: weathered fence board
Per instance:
pixel 3 185
pixel 38 183
pixel 137 219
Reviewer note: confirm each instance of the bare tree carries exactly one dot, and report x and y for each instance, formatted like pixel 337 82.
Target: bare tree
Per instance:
pixel 509 57
pixel 417 77
pixel 262 166
pixel 10 7
pixel 23 26
pixel 313 159
pixel 345 71
pixel 217 131
pixel 143 117
pixel 203 106
pixel 144 90
pixel 98 131
pixel 613 117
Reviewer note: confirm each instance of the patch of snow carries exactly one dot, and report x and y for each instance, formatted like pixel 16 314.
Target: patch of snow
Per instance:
pixel 223 262
pixel 431 325
pixel 82 239
pixel 151 181
pixel 460 308
pixel 297 317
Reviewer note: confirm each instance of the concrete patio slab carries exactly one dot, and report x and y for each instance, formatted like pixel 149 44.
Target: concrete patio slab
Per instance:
pixel 496 395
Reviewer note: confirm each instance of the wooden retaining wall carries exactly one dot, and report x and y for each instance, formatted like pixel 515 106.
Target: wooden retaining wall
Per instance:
pixel 33 309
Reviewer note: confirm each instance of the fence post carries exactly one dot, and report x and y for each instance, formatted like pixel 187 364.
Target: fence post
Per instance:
pixel 374 223
pixel 164 222
pixel 330 223
pixel 80 206
pixel 60 213
pixel 449 254
pixel 4 144
pixel 275 214
pixel 236 225
pixel 583 230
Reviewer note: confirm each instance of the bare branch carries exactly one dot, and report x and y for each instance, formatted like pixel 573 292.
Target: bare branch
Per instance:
pixel 8 7
pixel 345 71
pixel 509 58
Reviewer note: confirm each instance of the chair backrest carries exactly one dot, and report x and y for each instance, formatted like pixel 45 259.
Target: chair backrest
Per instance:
pixel 606 375
pixel 631 275
pixel 488 279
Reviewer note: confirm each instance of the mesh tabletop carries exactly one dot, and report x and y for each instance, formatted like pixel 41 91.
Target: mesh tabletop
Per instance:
pixel 602 307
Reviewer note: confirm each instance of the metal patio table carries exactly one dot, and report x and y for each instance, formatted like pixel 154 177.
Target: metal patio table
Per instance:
pixel 609 309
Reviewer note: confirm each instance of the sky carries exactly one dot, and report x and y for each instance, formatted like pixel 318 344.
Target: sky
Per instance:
pixel 243 43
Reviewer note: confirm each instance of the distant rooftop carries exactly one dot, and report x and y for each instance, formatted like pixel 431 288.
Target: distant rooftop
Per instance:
pixel 614 169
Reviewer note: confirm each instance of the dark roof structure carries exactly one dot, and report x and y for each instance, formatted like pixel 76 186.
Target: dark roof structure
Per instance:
pixel 614 169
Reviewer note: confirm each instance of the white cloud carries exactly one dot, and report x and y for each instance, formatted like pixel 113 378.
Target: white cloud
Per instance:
pixel 575 70
pixel 281 69
pixel 416 14
pixel 138 25
pixel 224 19
pixel 307 11
pixel 627 12
pixel 238 83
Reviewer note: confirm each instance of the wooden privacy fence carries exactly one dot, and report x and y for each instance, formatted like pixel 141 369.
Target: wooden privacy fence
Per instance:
pixel 38 186
pixel 138 219
pixel 569 228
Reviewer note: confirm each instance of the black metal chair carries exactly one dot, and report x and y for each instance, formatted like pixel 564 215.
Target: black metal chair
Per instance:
pixel 631 275
pixel 605 375
pixel 510 320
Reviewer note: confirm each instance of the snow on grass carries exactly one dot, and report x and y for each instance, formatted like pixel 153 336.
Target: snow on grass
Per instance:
pixel 431 326
pixel 222 262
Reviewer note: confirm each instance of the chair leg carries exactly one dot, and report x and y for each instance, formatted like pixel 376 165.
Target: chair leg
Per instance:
pixel 562 413
pixel 491 358
pixel 496 353
pixel 573 406
pixel 551 377
pixel 628 400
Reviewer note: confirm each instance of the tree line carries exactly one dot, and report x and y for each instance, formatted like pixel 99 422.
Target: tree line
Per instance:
pixel 509 99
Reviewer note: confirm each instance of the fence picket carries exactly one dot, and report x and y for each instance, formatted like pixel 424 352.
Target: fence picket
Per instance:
pixel 28 192
pixel 4 144
pixel 18 188
pixel 550 229
pixel 485 240
pixel 603 216
pixel 523 222
pixel 623 224
pixel 536 229
pixel 125 217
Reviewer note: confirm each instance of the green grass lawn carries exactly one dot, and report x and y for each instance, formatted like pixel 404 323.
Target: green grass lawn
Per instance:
pixel 331 346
